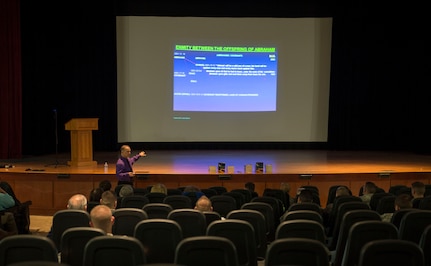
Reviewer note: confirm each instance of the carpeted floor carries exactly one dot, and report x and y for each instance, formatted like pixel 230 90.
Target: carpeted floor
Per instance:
pixel 40 225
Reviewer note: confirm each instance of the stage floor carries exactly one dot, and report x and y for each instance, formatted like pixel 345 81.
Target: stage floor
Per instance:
pixel 199 161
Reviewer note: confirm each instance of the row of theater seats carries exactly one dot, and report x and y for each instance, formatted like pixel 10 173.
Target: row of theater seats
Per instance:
pixel 349 211
pixel 225 242
pixel 336 255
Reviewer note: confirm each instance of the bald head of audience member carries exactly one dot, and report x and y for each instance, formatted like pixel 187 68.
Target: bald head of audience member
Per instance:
pixel 204 204
pixel 109 199
pixel 77 202
pixel 101 217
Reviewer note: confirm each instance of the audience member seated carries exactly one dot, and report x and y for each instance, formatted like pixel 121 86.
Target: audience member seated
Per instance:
pixel 109 199
pixel 7 225
pixel 105 185
pixel 418 190
pixel 192 189
pixel 159 188
pixel 326 212
pixel 126 190
pixel 402 201
pixel 20 210
pixel 193 192
pixel 101 217
pixel 6 200
pixel 95 194
pixel 305 196
pixel 204 204
pixel 76 202
pixel 286 188
pixel 251 186
pixel 368 191
pixel 341 191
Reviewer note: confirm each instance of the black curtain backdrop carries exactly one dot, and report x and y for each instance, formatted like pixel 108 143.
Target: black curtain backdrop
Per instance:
pixel 379 74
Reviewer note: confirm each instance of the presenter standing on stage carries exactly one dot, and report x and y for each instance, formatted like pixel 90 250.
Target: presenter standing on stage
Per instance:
pixel 124 170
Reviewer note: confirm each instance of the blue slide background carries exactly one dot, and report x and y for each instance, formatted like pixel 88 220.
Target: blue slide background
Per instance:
pixel 203 82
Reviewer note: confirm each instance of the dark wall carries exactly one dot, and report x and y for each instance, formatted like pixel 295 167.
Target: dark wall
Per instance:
pixel 379 82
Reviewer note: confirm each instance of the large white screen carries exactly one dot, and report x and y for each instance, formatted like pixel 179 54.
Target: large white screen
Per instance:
pixel 221 94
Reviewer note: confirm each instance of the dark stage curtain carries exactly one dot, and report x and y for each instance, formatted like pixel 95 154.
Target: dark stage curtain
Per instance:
pixel 10 80
pixel 379 70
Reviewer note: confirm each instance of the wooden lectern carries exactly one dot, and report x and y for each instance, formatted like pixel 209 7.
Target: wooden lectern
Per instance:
pixel 81 137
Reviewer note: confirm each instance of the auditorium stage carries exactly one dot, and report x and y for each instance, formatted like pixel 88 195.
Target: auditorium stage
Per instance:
pixel 198 162
pixel 48 182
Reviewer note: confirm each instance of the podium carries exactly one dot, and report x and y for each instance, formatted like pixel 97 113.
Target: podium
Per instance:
pixel 81 136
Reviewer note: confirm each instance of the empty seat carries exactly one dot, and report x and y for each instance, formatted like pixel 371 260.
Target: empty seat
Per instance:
pixel 343 209
pixel 174 191
pixel 65 219
pixel 178 201
pixel 398 189
pixel 126 220
pixel 297 251
pixel 386 204
pixel 134 201
pixel 192 222
pixel 155 197
pixel 157 210
pixel 333 215
pixel 305 206
pixel 239 198
pixel 73 242
pixel 140 191
pixel 425 203
pixel 206 250
pixel 267 212
pixel 220 189
pixel 257 220
pixel 363 232
pixel 278 194
pixel 413 224
pixel 211 216
pixel 394 252
pixel 375 198
pixel 350 218
pixel 160 238
pixel 398 215
pixel 301 228
pixel 245 192
pixel 209 192
pixel 21 248
pixel 114 250
pixel 302 214
pixel 223 204
pixel 241 233
pixel 425 244
pixel 276 204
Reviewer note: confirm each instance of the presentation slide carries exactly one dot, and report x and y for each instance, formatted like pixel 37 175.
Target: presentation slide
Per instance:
pixel 225 78
pixel 218 79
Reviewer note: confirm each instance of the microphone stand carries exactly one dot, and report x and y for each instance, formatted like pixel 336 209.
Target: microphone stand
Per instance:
pixel 56 163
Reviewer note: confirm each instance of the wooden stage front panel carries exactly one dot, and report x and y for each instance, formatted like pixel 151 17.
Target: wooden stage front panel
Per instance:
pixel 50 186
